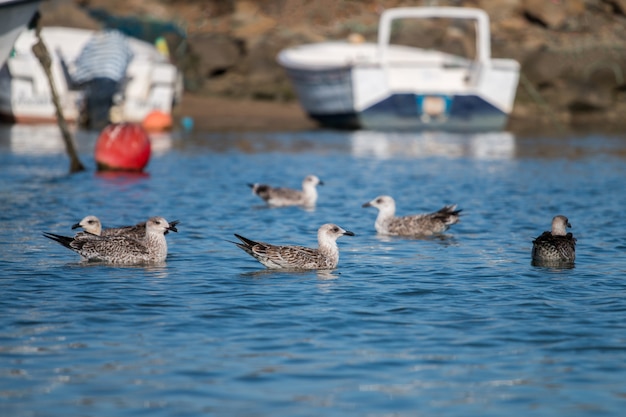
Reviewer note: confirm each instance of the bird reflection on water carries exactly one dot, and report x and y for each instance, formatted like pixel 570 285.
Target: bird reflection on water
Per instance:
pixel 322 274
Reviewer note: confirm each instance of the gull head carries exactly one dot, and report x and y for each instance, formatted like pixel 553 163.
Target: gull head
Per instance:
pixel 159 225
pixel 384 203
pixel 90 224
pixel 560 224
pixel 311 181
pixel 331 232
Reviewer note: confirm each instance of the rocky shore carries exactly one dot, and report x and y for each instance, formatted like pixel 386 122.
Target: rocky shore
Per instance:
pixel 572 54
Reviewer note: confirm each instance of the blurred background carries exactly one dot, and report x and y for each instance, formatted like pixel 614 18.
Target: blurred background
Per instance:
pixel 572 53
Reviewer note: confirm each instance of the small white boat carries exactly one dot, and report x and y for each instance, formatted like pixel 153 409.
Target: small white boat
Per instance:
pixel 386 86
pixel 14 16
pixel 152 82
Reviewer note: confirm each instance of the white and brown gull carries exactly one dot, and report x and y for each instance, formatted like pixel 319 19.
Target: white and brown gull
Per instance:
pixel 91 224
pixel 282 197
pixel 326 256
pixel 556 245
pixel 425 224
pixel 121 249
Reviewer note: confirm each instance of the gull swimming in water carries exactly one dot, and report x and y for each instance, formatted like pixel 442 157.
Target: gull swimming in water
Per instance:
pixel 326 256
pixel 91 224
pixel 425 224
pixel 281 197
pixel 556 245
pixel 121 249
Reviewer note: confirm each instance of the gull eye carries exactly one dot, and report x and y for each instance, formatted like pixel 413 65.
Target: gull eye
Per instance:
pixel 335 229
pixel 379 200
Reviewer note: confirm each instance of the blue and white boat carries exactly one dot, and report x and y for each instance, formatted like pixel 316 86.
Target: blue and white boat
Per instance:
pixel 14 16
pixel 385 86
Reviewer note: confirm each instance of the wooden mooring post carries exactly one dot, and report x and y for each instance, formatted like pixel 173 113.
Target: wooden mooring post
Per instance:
pixel 41 52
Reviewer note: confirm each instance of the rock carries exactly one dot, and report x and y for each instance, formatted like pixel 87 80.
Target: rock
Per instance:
pixel 216 53
pixel 249 21
pixel 619 5
pixel 66 14
pixel 514 23
pixel 265 78
pixel 540 67
pixel 589 98
pixel 553 14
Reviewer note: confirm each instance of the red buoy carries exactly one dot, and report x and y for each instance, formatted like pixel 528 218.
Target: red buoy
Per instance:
pixel 122 147
pixel 157 121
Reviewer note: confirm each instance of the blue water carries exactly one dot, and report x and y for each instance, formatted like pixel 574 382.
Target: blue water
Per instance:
pixel 457 326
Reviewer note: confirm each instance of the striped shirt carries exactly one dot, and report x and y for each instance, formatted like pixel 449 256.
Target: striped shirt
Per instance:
pixel 106 55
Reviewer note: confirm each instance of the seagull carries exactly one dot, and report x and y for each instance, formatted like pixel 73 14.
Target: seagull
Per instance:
pixel 425 224
pixel 326 256
pixel 556 245
pixel 121 249
pixel 281 197
pixel 91 224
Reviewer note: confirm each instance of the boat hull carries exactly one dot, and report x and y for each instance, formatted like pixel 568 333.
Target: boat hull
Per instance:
pixel 457 113
pixel 328 97
pixel 14 16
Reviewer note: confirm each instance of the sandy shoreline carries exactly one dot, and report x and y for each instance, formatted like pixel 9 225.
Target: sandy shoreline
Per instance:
pixel 224 114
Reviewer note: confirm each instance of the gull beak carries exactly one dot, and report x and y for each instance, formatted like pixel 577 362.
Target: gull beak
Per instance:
pixel 368 204
pixel 348 233
pixel 172 226
pixel 76 226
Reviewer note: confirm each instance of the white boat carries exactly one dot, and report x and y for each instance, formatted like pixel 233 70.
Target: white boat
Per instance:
pixel 385 86
pixel 14 16
pixel 152 82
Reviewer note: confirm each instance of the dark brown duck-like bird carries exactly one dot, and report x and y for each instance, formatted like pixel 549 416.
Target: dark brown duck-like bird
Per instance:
pixel 556 245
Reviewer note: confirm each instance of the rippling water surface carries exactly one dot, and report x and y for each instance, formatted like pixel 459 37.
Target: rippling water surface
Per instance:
pixel 454 326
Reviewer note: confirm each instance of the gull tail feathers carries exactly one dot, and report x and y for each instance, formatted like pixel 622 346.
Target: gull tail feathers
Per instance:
pixel 449 214
pixel 63 240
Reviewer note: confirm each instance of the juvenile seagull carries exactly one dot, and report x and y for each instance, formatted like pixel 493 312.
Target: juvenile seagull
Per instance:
pixel 121 249
pixel 326 256
pixel 425 224
pixel 556 245
pixel 91 224
pixel 281 197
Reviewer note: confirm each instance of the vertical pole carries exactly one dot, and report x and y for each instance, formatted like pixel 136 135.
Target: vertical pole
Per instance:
pixel 41 52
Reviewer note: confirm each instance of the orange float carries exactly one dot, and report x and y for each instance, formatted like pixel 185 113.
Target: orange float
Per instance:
pixel 123 147
pixel 157 121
